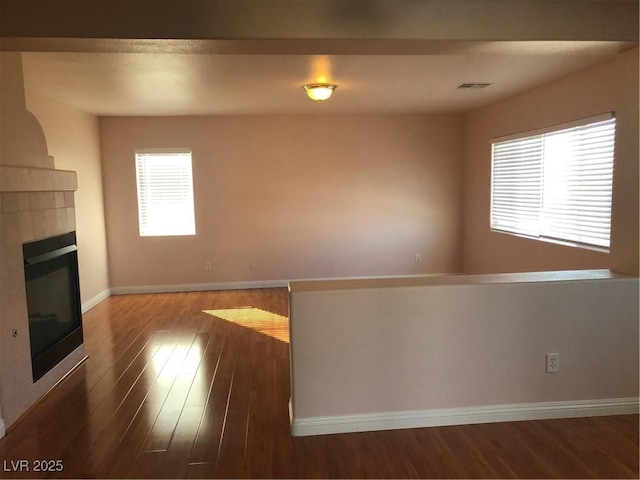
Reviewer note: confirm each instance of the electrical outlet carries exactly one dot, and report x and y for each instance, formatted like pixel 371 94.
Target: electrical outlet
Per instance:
pixel 207 266
pixel 418 258
pixel 553 362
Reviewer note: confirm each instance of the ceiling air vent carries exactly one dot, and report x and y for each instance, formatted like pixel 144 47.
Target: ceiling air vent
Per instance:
pixel 466 86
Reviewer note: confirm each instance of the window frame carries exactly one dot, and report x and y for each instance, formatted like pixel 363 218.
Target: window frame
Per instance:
pixel 147 230
pixel 541 132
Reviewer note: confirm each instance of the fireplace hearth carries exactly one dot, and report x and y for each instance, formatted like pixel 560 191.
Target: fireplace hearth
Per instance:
pixel 53 300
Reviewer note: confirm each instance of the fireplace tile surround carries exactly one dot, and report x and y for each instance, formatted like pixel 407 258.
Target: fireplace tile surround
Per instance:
pixel 26 216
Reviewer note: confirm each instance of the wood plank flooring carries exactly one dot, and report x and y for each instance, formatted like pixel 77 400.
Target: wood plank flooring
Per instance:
pixel 171 391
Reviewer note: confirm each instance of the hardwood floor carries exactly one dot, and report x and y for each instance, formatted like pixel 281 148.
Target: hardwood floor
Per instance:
pixel 170 391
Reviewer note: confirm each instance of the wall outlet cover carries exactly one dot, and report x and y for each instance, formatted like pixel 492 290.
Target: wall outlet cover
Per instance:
pixel 553 362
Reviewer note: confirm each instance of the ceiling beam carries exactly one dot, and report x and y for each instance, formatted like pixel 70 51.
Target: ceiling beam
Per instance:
pixel 28 24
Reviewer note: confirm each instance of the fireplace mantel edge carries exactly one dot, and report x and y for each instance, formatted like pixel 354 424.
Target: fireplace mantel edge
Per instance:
pixel 33 179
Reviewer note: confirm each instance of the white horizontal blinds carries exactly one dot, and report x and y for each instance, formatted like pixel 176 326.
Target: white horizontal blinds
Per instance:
pixel 578 174
pixel 165 193
pixel 556 184
pixel 516 185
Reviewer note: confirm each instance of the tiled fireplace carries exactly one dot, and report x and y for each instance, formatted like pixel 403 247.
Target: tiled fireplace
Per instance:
pixel 36 202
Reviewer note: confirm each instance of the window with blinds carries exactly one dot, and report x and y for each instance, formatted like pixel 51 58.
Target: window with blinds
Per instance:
pixel 556 184
pixel 165 192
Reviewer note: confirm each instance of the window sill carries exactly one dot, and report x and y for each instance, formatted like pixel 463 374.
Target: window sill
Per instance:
pixel 555 241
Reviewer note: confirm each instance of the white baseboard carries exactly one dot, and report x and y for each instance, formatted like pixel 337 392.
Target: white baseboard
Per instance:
pixel 88 305
pixel 198 287
pixel 461 416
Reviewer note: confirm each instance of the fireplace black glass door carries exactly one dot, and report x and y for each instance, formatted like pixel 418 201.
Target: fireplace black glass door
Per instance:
pixel 53 300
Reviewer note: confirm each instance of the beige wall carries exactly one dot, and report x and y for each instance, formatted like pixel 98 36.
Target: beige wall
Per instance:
pixel 299 196
pixel 625 215
pixel 459 342
pixel 612 86
pixel 73 140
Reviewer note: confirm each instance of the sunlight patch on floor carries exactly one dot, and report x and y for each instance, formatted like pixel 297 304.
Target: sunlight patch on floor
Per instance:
pixel 264 322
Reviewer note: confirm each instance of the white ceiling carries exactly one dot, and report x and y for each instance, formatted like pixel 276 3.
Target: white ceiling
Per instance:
pixel 112 84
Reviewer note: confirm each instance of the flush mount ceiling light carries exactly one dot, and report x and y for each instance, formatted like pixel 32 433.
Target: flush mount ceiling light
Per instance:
pixel 467 86
pixel 319 91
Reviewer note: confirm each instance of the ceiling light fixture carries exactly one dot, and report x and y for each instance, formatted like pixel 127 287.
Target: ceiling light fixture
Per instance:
pixel 466 86
pixel 319 91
